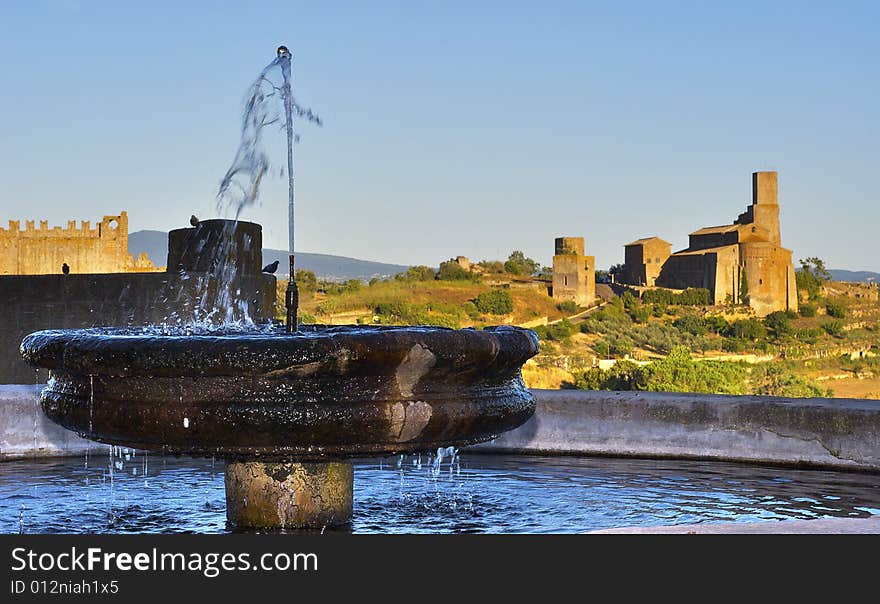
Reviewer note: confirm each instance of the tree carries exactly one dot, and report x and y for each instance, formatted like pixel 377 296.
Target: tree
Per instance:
pixel 616 271
pixel 453 271
pixel 306 281
pixel 518 264
pixel 420 273
pixel 811 276
pixel 492 266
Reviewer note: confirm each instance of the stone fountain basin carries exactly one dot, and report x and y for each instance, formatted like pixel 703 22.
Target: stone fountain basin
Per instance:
pixel 325 392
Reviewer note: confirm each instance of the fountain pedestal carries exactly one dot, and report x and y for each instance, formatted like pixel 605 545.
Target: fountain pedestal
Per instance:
pixel 289 495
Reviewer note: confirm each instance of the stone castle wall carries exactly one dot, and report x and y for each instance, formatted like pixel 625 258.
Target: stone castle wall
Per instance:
pixel 43 250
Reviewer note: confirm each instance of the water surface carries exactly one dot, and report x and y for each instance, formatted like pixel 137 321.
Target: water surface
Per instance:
pixel 137 493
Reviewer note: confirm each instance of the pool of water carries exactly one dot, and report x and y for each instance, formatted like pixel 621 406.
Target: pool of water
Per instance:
pixel 132 492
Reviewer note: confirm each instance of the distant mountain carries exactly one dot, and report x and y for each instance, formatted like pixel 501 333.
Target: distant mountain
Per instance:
pixel 857 276
pixel 325 266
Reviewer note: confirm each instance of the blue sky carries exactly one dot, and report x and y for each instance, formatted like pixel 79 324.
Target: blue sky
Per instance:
pixel 453 128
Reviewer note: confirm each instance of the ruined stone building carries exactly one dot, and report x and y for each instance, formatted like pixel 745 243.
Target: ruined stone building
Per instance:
pixel 44 250
pixel 643 259
pixel 743 262
pixel 574 274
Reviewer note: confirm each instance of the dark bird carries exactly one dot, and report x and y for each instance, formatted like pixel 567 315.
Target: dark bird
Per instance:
pixel 65 269
pixel 193 220
pixel 271 268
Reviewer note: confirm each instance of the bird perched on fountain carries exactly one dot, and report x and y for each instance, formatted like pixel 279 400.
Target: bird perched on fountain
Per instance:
pixel 65 268
pixel 271 268
pixel 193 220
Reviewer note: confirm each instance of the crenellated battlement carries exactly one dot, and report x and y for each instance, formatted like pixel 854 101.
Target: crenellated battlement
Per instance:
pixel 85 248
pixel 110 227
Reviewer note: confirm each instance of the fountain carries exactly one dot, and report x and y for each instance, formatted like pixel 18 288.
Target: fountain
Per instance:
pixel 286 407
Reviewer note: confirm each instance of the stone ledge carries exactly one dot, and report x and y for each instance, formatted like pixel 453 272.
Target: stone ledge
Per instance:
pixel 828 433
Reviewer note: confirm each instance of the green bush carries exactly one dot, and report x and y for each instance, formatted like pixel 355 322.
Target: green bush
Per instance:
pixel 779 323
pixel 807 310
pixel 717 324
pixel 569 307
pixel 691 324
pixel 692 296
pixel 560 330
pixel 747 329
pixel 835 309
pixel 306 318
pixel 833 327
pixel 774 380
pixel 494 302
pixel 306 281
pixel 471 310
pixel 418 273
pixel 640 314
pixel 678 372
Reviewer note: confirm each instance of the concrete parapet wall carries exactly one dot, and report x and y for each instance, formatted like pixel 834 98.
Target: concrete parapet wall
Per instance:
pixel 834 433
pixel 830 433
pixel 25 432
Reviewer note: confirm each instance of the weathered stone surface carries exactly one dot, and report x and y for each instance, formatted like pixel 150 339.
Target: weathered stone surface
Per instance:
pixel 289 495
pixel 574 274
pixel 324 392
pixel 835 433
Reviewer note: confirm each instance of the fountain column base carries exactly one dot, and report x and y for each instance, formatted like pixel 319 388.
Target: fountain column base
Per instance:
pixel 289 495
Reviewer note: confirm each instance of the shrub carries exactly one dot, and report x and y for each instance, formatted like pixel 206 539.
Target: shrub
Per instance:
pixel 692 296
pixel 352 285
pixel 747 329
pixel 306 281
pixel 471 310
pixel 569 307
pixel 560 330
pixel 678 372
pixel 775 380
pixel 833 327
pixel 640 314
pixel 695 296
pixel 494 302
pixel 691 324
pixel 809 335
pixel 835 309
pixel 419 273
pixel 808 310
pixel 306 318
pixel 716 324
pixel 780 323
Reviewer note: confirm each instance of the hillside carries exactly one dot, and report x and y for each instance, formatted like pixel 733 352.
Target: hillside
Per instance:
pixel 662 340
pixel 857 276
pixel 325 266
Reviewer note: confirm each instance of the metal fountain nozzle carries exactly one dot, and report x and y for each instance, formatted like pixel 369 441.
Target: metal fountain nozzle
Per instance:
pixel 283 51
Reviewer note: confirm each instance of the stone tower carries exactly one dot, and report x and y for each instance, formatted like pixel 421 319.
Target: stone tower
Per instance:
pixel 764 211
pixel 574 274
